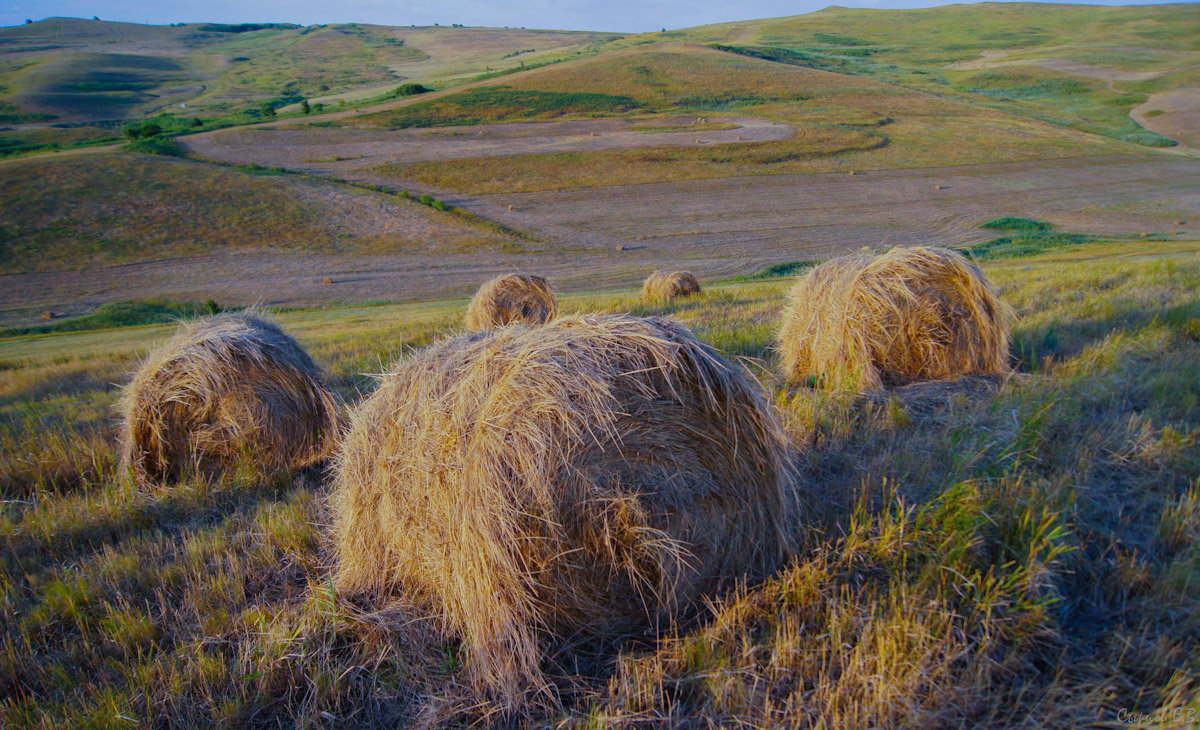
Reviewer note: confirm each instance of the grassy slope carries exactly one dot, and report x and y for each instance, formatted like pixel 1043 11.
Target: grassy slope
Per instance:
pixel 1023 556
pixel 918 48
pixel 106 208
pixel 59 65
pixel 99 73
pixel 883 125
pixel 80 70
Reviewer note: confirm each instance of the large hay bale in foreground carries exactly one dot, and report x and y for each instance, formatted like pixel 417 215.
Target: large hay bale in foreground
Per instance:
pixel 585 480
pixel 910 314
pixel 227 387
pixel 512 298
pixel 664 285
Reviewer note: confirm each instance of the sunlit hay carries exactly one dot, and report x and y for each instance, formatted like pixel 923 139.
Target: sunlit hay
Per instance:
pixel 576 482
pixel 665 285
pixel 512 298
pixel 227 387
pixel 910 314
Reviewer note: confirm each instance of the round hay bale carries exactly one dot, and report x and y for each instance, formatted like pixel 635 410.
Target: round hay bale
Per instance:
pixel 227 387
pixel 910 314
pixel 666 285
pixel 512 298
pixel 579 482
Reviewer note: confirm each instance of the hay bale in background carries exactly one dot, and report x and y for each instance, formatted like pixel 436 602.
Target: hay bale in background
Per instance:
pixel 665 285
pixel 910 314
pixel 585 480
pixel 224 387
pixel 512 298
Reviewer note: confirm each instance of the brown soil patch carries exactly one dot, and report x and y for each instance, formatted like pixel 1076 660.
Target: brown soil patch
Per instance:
pixel 344 152
pixel 1178 117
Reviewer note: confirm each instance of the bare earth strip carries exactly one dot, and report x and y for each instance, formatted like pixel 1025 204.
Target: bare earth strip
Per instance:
pixel 716 227
pixel 345 152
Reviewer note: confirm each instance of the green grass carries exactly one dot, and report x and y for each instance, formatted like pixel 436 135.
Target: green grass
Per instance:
pixel 77 71
pixel 1012 85
pixel 843 123
pixel 974 557
pixel 496 104
pixel 1010 223
pixel 1026 244
pixel 156 146
pixel 227 77
pixel 1026 237
pixel 912 48
pixel 122 314
pixel 778 271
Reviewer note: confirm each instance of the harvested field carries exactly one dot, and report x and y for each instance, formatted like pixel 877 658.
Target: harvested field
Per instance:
pixel 346 151
pixel 714 228
pixel 83 209
pixel 815 216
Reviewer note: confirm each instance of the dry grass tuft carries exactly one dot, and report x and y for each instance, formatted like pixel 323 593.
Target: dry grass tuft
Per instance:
pixel 222 388
pixel 668 285
pixel 910 314
pixel 512 298
pixel 565 486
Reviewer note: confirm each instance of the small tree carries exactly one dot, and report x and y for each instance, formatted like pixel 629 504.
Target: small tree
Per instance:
pixel 145 130
pixel 410 89
pixel 304 107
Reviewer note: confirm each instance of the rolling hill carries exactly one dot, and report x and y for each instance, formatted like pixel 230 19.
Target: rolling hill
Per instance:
pixel 716 147
pixel 1009 551
pixel 74 80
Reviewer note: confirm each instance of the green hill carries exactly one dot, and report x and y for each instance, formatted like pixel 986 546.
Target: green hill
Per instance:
pixel 1073 65
pixel 82 80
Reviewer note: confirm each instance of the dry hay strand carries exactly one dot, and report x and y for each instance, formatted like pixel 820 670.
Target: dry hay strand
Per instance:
pixel 910 314
pixel 566 485
pixel 512 298
pixel 664 285
pixel 224 388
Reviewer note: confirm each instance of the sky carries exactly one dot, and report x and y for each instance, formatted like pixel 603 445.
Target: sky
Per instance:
pixel 608 15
